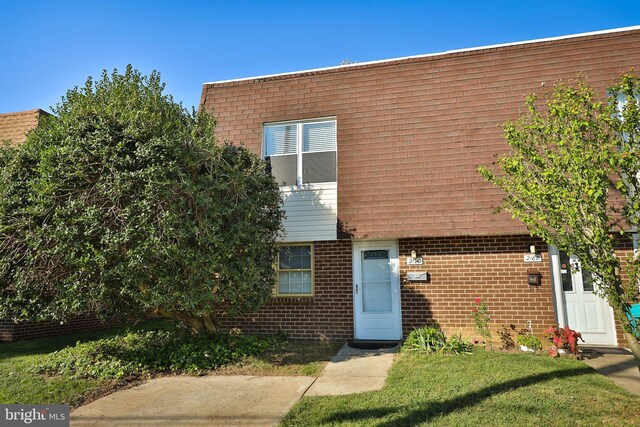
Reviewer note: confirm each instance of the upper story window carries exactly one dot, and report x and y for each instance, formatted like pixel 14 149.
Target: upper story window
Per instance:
pixel 301 152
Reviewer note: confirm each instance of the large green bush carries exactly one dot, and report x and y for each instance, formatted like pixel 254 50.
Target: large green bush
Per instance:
pixel 124 203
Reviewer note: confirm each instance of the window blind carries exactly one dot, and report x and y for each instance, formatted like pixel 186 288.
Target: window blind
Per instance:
pixel 282 139
pixel 319 136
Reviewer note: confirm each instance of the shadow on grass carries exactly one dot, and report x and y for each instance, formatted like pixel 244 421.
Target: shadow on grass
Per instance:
pixel 437 409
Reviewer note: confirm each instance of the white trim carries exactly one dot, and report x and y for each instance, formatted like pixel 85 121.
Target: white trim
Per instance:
pixel 430 55
pixel 556 279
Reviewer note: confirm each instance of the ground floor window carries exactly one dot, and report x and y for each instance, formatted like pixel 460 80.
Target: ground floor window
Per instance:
pixel 295 270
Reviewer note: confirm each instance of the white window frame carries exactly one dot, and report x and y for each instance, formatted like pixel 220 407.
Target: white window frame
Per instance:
pixel 299 141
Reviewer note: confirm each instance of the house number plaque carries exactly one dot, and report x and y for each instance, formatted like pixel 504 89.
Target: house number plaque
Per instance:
pixel 414 261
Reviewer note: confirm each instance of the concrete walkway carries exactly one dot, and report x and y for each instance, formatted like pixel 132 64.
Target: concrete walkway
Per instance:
pixel 237 400
pixel 234 400
pixel 616 364
pixel 354 371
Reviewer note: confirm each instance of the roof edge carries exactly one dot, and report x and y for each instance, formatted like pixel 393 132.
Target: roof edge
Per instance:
pixel 32 111
pixel 429 55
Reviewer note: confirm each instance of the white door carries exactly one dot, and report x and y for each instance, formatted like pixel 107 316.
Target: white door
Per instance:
pixel 376 291
pixel 581 308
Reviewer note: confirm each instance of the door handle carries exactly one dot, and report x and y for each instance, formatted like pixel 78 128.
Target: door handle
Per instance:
pixel 356 289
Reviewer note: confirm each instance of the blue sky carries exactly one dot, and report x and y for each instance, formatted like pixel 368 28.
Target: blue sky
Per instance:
pixel 47 47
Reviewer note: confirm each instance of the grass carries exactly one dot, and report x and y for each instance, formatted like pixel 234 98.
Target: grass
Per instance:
pixel 480 389
pixel 19 384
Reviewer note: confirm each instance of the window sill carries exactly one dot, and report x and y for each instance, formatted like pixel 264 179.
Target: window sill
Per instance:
pixel 292 299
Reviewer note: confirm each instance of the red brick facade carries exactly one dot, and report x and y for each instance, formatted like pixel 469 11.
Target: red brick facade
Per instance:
pixel 411 133
pixel 11 331
pixel 464 268
pixel 460 270
pixel 328 315
pixel 14 126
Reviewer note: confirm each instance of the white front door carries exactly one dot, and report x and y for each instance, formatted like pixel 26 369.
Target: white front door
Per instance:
pixel 376 291
pixel 580 307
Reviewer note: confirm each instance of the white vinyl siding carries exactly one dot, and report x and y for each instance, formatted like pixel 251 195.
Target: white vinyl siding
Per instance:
pixel 312 212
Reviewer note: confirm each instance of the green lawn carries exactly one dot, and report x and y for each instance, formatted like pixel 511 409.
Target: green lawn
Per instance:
pixel 18 384
pixel 483 389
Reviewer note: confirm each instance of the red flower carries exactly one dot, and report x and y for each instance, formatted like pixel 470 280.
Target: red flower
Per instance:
pixel 477 300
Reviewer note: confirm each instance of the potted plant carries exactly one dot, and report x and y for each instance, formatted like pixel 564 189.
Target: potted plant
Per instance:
pixel 565 340
pixel 529 342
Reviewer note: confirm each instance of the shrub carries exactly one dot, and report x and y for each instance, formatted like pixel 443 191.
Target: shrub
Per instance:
pixel 143 353
pixel 458 345
pixel 480 316
pixel 530 341
pixel 430 339
pixel 563 338
pixel 125 204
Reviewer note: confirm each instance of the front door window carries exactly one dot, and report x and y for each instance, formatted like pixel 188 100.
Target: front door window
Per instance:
pixel 376 281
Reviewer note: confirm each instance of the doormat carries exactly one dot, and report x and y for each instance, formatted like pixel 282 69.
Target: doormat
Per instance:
pixel 371 345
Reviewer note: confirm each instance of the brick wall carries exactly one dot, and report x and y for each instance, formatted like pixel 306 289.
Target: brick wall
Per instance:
pixel 464 268
pixel 14 126
pixel 460 269
pixel 411 132
pixel 328 315
pixel 625 248
pixel 11 331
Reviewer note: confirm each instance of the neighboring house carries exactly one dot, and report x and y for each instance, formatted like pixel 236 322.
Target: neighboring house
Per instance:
pixel 14 128
pixel 389 226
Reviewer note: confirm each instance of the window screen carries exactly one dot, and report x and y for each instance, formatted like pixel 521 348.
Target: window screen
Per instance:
pixel 303 152
pixel 280 139
pixel 319 136
pixel 295 271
